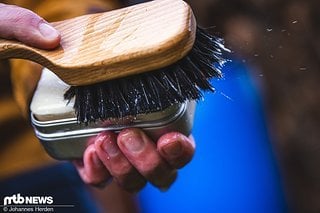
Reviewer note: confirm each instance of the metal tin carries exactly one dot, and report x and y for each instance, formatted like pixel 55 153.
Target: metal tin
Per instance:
pixel 64 138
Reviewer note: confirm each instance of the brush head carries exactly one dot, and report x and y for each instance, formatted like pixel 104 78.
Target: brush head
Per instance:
pixel 152 91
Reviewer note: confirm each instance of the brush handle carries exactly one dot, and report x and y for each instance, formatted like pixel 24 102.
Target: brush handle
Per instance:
pixel 115 44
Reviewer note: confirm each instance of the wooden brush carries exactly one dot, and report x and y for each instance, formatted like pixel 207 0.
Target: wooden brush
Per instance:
pixel 138 59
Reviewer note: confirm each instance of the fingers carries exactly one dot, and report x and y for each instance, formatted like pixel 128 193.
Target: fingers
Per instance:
pixel 143 155
pixel 27 27
pixel 118 165
pixel 132 159
pixel 176 149
pixel 91 169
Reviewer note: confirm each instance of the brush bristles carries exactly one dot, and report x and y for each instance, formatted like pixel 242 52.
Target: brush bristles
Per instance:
pixel 152 91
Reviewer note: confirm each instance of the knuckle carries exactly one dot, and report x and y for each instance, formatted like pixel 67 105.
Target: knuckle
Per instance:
pixel 123 171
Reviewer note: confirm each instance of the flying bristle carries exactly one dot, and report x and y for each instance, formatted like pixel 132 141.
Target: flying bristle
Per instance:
pixel 152 91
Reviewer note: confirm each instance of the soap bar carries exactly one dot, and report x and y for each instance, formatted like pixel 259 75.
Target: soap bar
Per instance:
pixel 48 102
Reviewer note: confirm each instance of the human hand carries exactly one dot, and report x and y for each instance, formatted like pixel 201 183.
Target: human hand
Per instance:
pixel 131 158
pixel 25 26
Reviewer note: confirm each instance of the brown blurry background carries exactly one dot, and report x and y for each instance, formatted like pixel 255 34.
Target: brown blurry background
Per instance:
pixel 280 40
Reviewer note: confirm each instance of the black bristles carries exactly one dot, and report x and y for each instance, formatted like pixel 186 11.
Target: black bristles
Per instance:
pixel 152 91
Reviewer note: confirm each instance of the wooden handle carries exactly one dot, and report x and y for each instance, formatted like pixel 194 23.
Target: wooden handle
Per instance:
pixel 115 44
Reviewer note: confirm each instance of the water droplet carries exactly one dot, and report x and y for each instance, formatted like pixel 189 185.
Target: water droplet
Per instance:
pixel 294 22
pixel 303 68
pixel 271 56
pixel 261 75
pixel 269 29
pixel 226 96
pixel 256 55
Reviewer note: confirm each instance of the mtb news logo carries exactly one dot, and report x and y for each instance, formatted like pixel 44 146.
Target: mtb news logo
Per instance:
pixel 17 199
pixel 19 203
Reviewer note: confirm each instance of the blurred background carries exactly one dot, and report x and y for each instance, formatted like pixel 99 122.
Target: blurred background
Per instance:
pixel 258 138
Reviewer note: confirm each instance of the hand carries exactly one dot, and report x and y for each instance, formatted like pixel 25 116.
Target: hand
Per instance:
pixel 25 26
pixel 132 159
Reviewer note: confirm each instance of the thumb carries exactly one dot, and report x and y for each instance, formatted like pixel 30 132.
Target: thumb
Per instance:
pixel 24 25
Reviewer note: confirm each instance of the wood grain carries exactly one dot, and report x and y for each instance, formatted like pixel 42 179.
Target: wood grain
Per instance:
pixel 115 44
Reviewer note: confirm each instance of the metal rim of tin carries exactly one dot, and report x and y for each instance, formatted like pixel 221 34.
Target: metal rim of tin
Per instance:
pixel 79 130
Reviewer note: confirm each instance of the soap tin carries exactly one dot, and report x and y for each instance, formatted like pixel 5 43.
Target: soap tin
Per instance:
pixel 67 139
pixel 64 138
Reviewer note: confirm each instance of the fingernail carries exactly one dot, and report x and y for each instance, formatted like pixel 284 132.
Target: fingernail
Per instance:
pixel 133 141
pixel 48 31
pixel 173 149
pixel 110 148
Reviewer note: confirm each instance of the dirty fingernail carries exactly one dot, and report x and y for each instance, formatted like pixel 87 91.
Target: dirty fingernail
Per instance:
pixel 111 148
pixel 173 149
pixel 133 141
